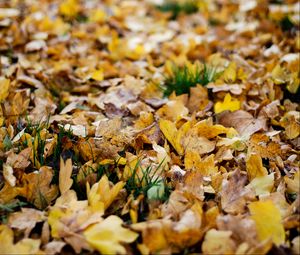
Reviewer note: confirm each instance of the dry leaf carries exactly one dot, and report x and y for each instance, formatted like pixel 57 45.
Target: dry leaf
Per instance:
pixel 228 104
pixel 107 236
pixel 268 221
pixel 24 246
pixel 65 172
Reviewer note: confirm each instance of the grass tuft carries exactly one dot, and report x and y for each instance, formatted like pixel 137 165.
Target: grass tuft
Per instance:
pixel 183 78
pixel 150 184
pixel 6 209
pixel 175 8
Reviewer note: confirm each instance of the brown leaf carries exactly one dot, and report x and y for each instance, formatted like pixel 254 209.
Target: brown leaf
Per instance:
pixel 26 219
pixel 39 189
pixel 234 195
pixel 243 122
pixel 65 172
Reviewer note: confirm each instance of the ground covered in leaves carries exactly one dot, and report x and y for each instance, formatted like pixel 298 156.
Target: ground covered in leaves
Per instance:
pixel 150 127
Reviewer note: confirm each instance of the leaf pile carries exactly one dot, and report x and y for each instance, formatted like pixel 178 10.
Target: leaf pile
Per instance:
pixel 149 127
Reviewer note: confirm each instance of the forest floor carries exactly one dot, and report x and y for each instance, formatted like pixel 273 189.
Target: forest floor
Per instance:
pixel 151 127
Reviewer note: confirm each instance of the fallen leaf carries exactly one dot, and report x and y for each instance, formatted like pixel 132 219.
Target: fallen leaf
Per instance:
pixel 173 135
pixel 101 195
pixel 39 189
pixel 69 8
pixel 255 167
pixel 4 85
pixel 262 185
pixel 65 172
pixel 25 220
pixel 293 184
pixel 230 73
pixel 243 122
pixel 228 104
pixel 107 236
pixel 234 194
pixel 24 246
pixel 218 242
pixel 268 221
pixel 8 174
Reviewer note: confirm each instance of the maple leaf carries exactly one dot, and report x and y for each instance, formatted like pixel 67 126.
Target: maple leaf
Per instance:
pixel 107 235
pixel 228 104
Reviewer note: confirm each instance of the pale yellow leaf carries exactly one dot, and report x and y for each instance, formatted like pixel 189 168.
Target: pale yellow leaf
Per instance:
pixel 262 185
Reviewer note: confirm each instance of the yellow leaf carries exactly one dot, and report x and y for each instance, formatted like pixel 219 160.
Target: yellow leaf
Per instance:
pixel 255 167
pixel 173 110
pixel 206 167
pixel 101 195
pixel 227 104
pixel 97 75
pixel 173 135
pixel 97 16
pixel 24 246
pixel 218 242
pixel 107 235
pixel 294 83
pixel 209 131
pixel 268 221
pixel 64 213
pixel 4 88
pixel 262 184
pixel 230 73
pixel 69 8
pixel 293 185
pixel 279 75
pixel 65 172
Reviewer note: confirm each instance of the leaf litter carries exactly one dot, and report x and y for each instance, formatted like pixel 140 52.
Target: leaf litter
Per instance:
pixel 149 127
